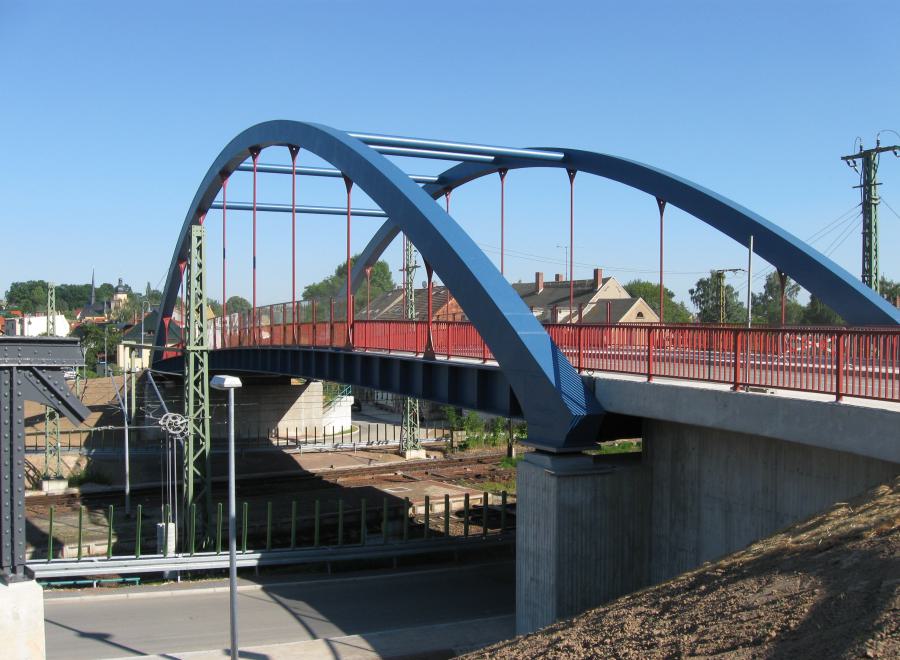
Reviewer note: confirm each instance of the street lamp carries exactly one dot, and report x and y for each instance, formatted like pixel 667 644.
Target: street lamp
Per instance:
pixel 230 383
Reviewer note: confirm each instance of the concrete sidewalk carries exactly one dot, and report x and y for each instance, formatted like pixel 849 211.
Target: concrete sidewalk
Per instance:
pixel 444 640
pixel 433 613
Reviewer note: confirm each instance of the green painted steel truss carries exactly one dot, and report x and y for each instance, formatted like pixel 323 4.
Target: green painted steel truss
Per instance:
pixel 196 383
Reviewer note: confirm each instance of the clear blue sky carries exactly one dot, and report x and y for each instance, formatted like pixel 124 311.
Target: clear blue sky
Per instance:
pixel 113 111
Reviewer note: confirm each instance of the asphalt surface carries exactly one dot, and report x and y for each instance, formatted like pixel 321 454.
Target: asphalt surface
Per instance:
pixel 172 620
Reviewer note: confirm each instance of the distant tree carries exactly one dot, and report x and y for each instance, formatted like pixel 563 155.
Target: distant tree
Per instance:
pixel 705 296
pixel 767 303
pixel 92 339
pixel 334 285
pixel 215 306
pixel 818 313
pixel 105 292
pixel 889 289
pixel 29 297
pixel 675 312
pixel 70 297
pixel 236 304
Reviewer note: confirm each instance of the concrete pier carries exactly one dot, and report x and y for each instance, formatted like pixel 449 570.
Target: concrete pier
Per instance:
pixel 581 534
pixel 22 620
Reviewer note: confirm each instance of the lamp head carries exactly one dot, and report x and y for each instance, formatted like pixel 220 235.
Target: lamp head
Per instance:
pixel 225 382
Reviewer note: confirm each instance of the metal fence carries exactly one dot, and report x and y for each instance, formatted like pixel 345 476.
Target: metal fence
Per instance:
pixel 860 362
pixel 287 526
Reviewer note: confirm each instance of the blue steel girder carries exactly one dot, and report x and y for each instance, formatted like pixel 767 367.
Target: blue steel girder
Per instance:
pixel 836 287
pixel 561 411
pixel 462 384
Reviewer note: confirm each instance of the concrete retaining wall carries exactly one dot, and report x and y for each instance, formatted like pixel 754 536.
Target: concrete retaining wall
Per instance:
pixel 716 491
pixel 285 405
pixel 593 528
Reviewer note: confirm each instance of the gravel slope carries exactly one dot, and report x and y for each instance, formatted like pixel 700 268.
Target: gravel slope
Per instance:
pixel 828 587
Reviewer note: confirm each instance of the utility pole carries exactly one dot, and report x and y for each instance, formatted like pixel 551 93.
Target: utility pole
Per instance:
pixel 720 286
pixel 869 188
pixel 52 463
pixel 409 433
pixel 197 444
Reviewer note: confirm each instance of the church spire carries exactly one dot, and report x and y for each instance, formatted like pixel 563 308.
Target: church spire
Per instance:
pixel 93 290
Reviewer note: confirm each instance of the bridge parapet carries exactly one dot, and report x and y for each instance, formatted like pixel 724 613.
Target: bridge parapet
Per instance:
pixel 856 362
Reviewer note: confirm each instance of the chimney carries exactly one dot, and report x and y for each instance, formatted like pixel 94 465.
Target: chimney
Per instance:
pixel 598 278
pixel 897 302
pixel 538 282
pixel 558 277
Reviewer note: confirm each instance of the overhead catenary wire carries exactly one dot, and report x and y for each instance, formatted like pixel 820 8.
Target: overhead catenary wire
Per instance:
pixel 839 224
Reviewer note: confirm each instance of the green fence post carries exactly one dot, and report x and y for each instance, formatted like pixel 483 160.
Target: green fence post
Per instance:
pixel 466 516
pixel 50 536
pixel 340 537
pixel 503 511
pixel 293 524
pixel 80 529
pixel 218 528
pixel 192 529
pixel 405 518
pixel 244 539
pixel 109 527
pixel 137 532
pixel 484 514
pixel 446 514
pixel 384 520
pixel 316 515
pixel 363 529
pixel 269 525
pixel 427 515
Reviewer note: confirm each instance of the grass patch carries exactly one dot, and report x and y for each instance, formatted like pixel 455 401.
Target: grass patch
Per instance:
pixel 495 487
pixel 510 463
pixel 89 476
pixel 621 447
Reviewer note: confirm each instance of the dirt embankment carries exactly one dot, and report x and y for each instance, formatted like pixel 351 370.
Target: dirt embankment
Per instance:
pixel 828 587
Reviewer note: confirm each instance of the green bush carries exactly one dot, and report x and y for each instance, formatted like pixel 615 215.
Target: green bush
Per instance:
pixel 89 475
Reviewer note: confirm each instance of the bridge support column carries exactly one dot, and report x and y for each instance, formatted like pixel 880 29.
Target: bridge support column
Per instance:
pixel 22 620
pixel 582 535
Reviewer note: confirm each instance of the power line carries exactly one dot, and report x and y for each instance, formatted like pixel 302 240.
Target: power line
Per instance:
pixel 890 207
pixel 528 256
pixel 839 224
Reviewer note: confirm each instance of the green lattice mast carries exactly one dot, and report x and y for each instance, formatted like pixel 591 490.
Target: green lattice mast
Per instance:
pixel 409 433
pixel 196 384
pixel 52 462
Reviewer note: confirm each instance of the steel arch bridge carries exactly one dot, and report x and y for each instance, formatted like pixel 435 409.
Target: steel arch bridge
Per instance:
pixel 561 410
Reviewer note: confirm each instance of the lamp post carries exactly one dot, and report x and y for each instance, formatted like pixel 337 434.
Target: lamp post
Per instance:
pixel 230 383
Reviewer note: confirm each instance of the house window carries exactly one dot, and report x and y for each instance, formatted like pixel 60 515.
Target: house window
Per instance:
pixel 640 315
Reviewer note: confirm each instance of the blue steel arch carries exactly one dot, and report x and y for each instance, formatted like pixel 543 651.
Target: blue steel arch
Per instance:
pixel 561 411
pixel 836 287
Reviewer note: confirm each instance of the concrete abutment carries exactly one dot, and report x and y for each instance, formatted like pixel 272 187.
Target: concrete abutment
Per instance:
pixel 592 528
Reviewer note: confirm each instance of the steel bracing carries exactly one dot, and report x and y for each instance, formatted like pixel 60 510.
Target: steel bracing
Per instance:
pixel 52 466
pixel 561 411
pixel 409 432
pixel 31 369
pixel 196 383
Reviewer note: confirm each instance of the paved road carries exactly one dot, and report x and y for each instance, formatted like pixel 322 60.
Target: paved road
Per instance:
pixel 173 620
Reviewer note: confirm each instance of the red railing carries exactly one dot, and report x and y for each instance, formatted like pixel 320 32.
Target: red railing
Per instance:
pixel 860 362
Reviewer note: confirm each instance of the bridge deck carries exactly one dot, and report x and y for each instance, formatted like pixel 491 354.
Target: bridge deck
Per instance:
pixel 861 362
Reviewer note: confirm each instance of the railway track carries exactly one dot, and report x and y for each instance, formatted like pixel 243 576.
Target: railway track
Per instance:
pixel 445 469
